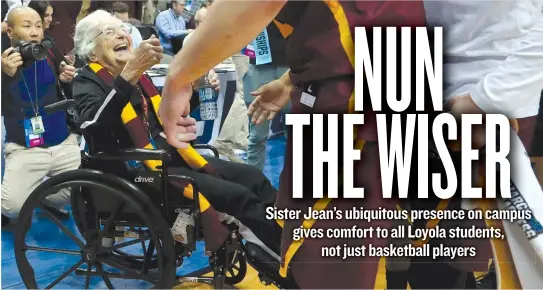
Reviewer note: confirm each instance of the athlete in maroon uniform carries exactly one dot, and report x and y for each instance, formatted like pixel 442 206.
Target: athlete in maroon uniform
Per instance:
pixel 321 55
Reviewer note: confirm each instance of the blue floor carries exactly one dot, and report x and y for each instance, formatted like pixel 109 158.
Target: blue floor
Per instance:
pixel 49 266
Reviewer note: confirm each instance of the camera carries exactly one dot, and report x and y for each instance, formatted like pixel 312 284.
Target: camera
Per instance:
pixel 31 51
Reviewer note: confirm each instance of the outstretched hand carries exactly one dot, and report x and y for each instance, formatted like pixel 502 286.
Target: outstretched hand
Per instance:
pixel 269 100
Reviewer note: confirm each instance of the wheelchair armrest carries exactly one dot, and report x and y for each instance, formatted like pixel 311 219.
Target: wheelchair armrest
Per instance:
pixel 133 154
pixel 207 147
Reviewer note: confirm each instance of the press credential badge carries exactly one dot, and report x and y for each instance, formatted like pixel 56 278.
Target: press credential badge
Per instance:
pixel 37 125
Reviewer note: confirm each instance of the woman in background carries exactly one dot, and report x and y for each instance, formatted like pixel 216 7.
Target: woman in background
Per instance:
pixel 45 10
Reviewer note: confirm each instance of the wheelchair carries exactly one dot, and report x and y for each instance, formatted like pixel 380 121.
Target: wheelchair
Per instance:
pixel 115 215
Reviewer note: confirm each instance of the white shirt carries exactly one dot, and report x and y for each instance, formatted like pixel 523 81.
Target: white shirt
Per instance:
pixel 493 50
pixel 15 3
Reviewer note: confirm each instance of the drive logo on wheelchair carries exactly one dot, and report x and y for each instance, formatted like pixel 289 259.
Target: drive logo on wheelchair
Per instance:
pixel 148 179
pixel 183 210
pixel 144 179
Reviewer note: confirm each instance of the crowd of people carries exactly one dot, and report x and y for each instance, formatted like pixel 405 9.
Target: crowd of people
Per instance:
pixel 281 49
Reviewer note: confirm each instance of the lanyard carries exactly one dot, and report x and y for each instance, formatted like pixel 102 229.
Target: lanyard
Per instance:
pixel 145 106
pixel 35 107
pixel 259 49
pixel 262 48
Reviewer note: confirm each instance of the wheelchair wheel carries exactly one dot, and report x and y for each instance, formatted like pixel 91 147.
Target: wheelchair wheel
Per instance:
pixel 236 270
pixel 134 261
pixel 89 248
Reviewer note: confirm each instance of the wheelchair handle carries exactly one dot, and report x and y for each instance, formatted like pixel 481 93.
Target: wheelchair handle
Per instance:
pixel 207 147
pixel 137 154
pixel 60 106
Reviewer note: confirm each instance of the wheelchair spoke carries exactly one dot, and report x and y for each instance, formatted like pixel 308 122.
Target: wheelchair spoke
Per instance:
pixel 148 256
pixel 82 214
pixel 65 274
pixel 110 219
pixel 64 229
pixel 234 258
pixel 88 276
pixel 53 250
pixel 143 248
pixel 104 275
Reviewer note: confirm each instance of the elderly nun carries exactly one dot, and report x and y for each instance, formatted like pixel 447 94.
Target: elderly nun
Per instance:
pixel 118 107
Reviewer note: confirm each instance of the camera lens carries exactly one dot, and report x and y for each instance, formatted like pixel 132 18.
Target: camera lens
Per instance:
pixel 39 51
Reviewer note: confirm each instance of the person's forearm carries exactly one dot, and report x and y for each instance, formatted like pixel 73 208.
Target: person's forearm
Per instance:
pixel 517 80
pixel 228 27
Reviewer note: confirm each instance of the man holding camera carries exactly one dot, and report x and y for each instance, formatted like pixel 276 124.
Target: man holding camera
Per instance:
pixel 38 144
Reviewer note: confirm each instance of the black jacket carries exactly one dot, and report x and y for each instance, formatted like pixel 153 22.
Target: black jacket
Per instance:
pixel 100 107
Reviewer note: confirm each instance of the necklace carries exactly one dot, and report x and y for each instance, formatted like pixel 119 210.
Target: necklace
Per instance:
pixel 145 107
pixel 35 107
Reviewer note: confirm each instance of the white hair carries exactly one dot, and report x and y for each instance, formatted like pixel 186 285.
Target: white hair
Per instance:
pixel 87 29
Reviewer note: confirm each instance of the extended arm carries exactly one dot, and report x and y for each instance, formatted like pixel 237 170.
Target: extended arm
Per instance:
pixel 232 24
pixel 228 27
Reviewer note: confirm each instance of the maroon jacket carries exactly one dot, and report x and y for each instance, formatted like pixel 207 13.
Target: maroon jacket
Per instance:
pixel 317 57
